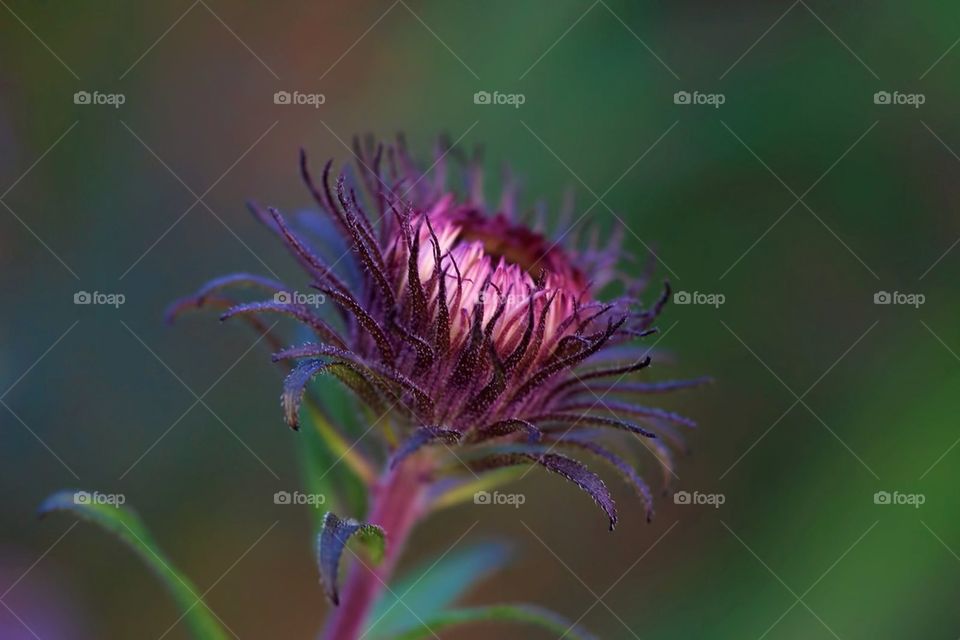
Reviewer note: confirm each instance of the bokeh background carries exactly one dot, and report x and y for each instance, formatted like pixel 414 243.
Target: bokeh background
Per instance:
pixel 797 199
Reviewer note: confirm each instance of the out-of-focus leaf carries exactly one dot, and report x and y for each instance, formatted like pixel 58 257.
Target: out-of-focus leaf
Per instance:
pixel 328 471
pixel 510 613
pixel 333 540
pixel 429 589
pixel 459 491
pixel 128 527
pixel 423 436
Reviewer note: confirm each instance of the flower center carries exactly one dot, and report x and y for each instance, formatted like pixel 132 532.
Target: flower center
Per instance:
pixel 515 244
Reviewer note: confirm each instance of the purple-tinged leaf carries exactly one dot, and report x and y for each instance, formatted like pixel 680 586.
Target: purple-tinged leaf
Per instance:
pixel 307 257
pixel 632 410
pixel 554 367
pixel 315 192
pixel 663 386
pixel 627 471
pixel 220 302
pixel 576 419
pixel 299 312
pixel 386 378
pixel 212 287
pixel 367 321
pixel 293 389
pixel 566 467
pixel 333 540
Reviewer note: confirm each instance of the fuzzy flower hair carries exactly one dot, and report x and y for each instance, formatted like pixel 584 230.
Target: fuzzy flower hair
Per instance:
pixel 479 335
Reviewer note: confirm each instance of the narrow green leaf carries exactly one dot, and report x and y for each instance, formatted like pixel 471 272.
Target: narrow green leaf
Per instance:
pixel 324 473
pixel 429 589
pixel 512 613
pixel 330 464
pixel 465 491
pixel 127 526
pixel 333 540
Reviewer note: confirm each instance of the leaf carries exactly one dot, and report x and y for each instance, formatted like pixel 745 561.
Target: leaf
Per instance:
pixel 127 526
pixel 424 436
pixel 518 613
pixel 569 468
pixel 626 470
pixel 333 540
pixel 294 387
pixel 459 491
pixel 432 587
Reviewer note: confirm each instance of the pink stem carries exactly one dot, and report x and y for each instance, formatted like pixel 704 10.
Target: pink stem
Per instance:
pixel 398 503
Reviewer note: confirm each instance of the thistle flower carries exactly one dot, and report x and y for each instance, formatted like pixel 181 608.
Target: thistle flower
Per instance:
pixel 484 341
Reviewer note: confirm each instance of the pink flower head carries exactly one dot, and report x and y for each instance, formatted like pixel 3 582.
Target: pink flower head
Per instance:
pixel 479 335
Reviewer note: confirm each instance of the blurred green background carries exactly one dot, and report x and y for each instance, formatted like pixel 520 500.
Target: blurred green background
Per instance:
pixel 822 397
